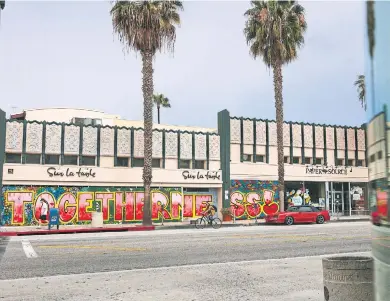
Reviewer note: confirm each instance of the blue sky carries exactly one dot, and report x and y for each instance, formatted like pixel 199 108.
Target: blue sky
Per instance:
pixel 64 54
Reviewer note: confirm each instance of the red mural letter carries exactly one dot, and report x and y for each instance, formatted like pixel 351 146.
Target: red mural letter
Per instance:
pixel 16 200
pixel 268 196
pixel 201 203
pixel 237 203
pixel 67 207
pixel 118 206
pixel 85 203
pixel 129 206
pixel 104 198
pixel 188 206
pixel 252 204
pixel 176 205
pixel 48 197
pixel 139 205
pixel 159 206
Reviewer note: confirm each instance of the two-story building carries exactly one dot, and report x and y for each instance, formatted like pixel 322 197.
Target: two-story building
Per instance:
pixel 82 160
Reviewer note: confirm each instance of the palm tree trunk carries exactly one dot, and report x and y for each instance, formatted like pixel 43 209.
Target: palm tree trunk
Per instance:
pixel 147 90
pixel 278 88
pixel 158 113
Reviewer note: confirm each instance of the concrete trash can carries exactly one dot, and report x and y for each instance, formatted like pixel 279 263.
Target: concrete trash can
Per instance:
pixel 348 278
pixel 97 220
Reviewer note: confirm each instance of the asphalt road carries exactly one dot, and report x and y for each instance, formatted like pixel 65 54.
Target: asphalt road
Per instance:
pixel 196 256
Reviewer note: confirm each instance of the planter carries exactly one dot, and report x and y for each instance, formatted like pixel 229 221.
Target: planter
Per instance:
pixel 227 217
pixel 348 278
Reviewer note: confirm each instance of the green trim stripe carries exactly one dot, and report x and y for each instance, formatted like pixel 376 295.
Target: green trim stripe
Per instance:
pixel 356 148
pixel 325 147
pixel 266 142
pixel 163 149
pixel 207 151
pixel 43 155
pixel 178 150
pixel 314 144
pixel 81 145
pixel 62 143
pixel 291 144
pixel 335 145
pixel 193 150
pixel 132 147
pixel 241 140
pixel 24 142
pixel 254 141
pixel 98 146
pixel 115 147
pixel 346 145
pixel 303 143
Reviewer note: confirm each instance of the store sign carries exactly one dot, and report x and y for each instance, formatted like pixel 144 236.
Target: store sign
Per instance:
pixel 201 175
pixel 69 172
pixel 327 170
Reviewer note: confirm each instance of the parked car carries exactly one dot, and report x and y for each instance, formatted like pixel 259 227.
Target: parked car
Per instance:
pixel 299 214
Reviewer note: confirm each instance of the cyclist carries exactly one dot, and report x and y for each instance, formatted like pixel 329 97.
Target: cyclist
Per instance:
pixel 209 211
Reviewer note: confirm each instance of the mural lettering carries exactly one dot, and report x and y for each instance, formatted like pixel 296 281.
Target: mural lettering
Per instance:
pixel 20 205
pixel 250 199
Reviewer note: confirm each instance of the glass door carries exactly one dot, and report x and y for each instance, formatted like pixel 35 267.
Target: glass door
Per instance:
pixel 336 206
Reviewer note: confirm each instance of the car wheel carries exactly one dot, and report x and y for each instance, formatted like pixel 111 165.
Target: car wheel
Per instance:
pixel 320 219
pixel 289 221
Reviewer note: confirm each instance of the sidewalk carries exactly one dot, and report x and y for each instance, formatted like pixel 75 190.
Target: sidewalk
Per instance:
pixel 33 230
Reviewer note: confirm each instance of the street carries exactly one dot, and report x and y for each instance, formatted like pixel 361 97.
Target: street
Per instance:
pixel 268 262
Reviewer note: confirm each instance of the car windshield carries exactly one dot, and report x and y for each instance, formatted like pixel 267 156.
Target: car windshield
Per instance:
pixel 292 209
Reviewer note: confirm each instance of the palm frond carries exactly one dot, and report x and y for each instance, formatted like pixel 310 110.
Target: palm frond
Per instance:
pixel 2 5
pixel 274 30
pixel 360 84
pixel 146 25
pixel 161 101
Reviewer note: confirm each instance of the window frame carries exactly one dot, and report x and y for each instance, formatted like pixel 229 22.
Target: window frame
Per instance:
pixel 13 154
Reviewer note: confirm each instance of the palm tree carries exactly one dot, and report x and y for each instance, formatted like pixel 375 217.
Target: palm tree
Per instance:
pixel 146 27
pixel 2 5
pixel 160 101
pixel 361 88
pixel 274 31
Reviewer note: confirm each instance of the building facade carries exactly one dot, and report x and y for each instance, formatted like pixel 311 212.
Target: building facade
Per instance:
pixel 81 161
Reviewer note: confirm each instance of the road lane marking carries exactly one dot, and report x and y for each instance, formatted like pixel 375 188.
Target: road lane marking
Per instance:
pixel 28 249
pixel 93 248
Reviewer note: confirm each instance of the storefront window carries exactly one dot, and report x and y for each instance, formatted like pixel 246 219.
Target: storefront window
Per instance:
pixel 305 193
pixel 316 192
pixel 359 201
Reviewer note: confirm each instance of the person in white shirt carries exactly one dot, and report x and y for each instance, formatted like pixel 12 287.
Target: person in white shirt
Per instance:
pixel 43 213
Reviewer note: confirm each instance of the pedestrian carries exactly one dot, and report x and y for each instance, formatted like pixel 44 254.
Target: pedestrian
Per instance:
pixel 43 212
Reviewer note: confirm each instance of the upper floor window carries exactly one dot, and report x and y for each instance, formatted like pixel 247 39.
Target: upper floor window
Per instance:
pixel 88 161
pixel 13 158
pixel 199 164
pixel 139 162
pixel 246 158
pixel 52 159
pixel 340 162
pixel 260 158
pixel 70 160
pixel 296 160
pixel 122 162
pixel 32 159
pixel 360 163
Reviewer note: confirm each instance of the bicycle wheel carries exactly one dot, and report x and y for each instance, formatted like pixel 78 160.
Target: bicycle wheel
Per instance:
pixel 216 223
pixel 200 223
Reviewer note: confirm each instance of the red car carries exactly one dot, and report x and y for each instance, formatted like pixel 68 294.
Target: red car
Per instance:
pixel 299 214
pixel 375 218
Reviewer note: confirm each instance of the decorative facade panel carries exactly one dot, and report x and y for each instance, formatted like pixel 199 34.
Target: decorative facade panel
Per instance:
pixel 308 135
pixel 319 130
pixel 185 146
pixel 340 138
pixel 361 140
pixel 235 131
pixel 123 142
pixel 297 135
pixel 170 144
pixel 351 139
pixel 53 139
pixel 330 138
pixel 200 147
pixel 138 143
pixel 107 142
pixel 286 134
pixel 72 139
pixel 272 133
pixel 261 134
pixel 14 137
pixel 90 141
pixel 157 144
pixel 34 138
pixel 248 131
pixel 214 147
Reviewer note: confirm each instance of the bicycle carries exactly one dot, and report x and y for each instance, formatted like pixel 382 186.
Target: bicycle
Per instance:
pixel 201 222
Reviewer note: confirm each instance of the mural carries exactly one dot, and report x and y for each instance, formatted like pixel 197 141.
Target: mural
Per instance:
pixel 298 197
pixel 252 198
pixel 20 205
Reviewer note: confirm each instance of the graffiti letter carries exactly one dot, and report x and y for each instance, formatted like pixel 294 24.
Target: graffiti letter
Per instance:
pixel 104 198
pixel 129 206
pixel 159 205
pixel 67 207
pixel 201 202
pixel 252 205
pixel 188 206
pixel 85 204
pixel 16 200
pixel 176 205
pixel 118 206
pixel 268 196
pixel 139 205
pixel 236 202
pixel 48 197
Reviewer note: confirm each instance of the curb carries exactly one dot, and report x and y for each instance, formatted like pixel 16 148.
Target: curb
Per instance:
pixel 190 226
pixel 75 231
